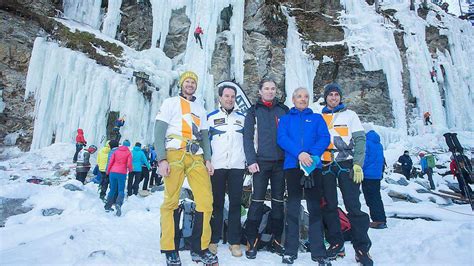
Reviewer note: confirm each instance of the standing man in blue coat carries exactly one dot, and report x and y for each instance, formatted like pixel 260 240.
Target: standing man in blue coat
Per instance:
pixel 373 173
pixel 304 136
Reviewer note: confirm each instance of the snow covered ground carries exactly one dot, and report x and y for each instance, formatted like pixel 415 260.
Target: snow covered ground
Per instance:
pixel 86 235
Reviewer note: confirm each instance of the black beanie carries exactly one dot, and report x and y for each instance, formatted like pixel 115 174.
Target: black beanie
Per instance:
pixel 330 88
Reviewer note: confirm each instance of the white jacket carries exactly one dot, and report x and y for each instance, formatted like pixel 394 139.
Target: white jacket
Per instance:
pixel 227 139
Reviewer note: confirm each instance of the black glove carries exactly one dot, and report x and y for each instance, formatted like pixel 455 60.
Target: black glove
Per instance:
pixel 307 181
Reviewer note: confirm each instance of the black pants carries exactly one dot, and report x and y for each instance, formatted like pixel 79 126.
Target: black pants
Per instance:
pixel 79 147
pixel 350 193
pixel 406 173
pixel 233 180
pixel 273 171
pixel 371 189
pixel 429 173
pixel 197 37
pixel 462 186
pixel 134 179
pixel 293 207
pixel 146 177
pixel 81 176
pixel 155 178
pixel 104 184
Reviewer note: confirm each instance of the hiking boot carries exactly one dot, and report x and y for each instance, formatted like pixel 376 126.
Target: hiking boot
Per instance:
pixel 277 248
pixel 108 208
pixel 378 225
pixel 335 251
pixel 119 210
pixel 172 258
pixel 205 256
pixel 289 259
pixel 251 252
pixel 322 261
pixel 235 250
pixel 363 257
pixel 213 248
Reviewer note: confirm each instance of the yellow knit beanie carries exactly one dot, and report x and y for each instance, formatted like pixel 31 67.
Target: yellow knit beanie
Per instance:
pixel 186 75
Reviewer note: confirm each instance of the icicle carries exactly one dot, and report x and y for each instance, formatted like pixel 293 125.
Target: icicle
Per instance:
pixel 300 70
pixel 84 11
pixel 112 18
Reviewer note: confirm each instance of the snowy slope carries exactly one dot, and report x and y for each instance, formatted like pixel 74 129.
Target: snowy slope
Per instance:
pixel 85 235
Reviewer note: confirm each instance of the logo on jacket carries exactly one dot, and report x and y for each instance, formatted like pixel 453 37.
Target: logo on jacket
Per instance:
pixel 219 121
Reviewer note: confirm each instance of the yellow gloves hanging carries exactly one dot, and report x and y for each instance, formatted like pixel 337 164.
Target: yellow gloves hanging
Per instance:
pixel 357 174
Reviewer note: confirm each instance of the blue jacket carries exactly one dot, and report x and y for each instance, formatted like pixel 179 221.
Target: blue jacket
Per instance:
pixel 152 154
pixel 424 164
pixel 139 158
pixel 374 158
pixel 302 131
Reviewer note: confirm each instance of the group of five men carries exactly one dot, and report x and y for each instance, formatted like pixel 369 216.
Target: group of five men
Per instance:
pixel 275 144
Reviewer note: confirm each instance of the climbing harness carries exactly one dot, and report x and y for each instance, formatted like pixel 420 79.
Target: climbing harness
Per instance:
pixel 192 146
pixel 334 164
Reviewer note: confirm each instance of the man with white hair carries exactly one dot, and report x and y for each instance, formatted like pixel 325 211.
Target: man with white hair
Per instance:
pixel 304 136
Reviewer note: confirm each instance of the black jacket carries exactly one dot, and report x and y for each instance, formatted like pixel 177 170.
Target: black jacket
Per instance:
pixel 406 162
pixel 267 124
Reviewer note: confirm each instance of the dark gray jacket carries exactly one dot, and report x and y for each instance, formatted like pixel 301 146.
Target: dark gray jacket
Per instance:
pixel 83 164
pixel 267 124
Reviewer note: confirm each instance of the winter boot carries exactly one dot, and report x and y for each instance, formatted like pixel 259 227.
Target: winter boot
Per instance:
pixel 322 261
pixel 251 252
pixel 213 248
pixel 235 250
pixel 119 210
pixel 205 256
pixel 378 225
pixel 363 257
pixel 108 208
pixel 277 248
pixel 289 259
pixel 335 251
pixel 172 258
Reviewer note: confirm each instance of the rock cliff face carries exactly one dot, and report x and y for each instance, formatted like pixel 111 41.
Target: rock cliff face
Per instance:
pixel 265 32
pixel 16 44
pixel 136 25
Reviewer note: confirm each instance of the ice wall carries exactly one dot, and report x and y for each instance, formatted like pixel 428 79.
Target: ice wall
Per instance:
pixel 300 70
pixel 85 11
pixel 112 18
pixel 458 78
pixel 374 44
pixel 454 82
pixel 205 13
pixel 72 91
pixel 420 64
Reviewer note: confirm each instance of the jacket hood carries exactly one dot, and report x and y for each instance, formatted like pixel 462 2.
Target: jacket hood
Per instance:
pixel 80 131
pixel 307 110
pixel 136 148
pixel 123 148
pixel 373 136
pixel 105 149
pixel 340 108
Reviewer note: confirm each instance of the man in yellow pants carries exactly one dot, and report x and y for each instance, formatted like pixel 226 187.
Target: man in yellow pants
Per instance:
pixel 183 149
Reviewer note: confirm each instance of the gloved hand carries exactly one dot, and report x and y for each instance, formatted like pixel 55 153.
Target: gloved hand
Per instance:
pixel 357 174
pixel 307 181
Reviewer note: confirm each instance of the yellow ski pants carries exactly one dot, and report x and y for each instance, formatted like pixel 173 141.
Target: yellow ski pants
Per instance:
pixel 183 164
